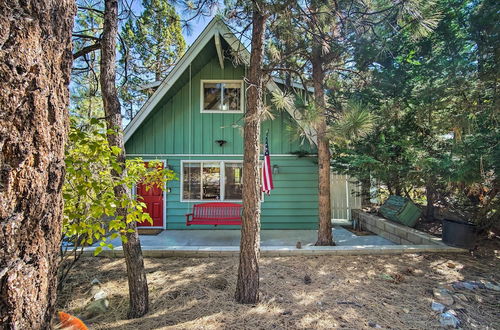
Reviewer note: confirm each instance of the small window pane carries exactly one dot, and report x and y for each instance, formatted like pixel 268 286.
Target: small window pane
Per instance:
pixel 212 94
pixel 191 181
pixel 211 181
pixel 233 184
pixel 232 97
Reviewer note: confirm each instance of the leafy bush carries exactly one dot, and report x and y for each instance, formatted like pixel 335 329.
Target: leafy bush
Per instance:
pixel 89 198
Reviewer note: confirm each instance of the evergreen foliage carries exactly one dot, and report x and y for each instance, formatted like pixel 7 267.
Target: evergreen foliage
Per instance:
pixel 152 44
pixel 435 101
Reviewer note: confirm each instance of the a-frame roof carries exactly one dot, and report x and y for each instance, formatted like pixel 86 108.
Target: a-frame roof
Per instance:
pixel 215 29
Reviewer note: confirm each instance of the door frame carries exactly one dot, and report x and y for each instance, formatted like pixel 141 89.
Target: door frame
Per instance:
pixel 164 196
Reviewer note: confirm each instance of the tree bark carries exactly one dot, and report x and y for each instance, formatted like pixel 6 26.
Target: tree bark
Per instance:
pixel 35 66
pixel 430 194
pixel 325 236
pixel 247 286
pixel 137 282
pixel 365 192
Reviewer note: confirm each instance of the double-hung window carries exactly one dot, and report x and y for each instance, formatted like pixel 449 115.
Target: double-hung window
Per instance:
pixel 211 180
pixel 222 96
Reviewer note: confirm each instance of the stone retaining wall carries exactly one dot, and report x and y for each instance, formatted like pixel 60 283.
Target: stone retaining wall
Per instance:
pixel 392 231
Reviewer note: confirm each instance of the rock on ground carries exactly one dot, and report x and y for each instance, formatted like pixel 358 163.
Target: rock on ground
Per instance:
pixel 96 307
pixel 437 307
pixel 448 320
pixel 443 296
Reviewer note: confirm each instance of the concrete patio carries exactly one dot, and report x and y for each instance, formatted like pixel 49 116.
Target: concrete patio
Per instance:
pixel 274 243
pixel 226 237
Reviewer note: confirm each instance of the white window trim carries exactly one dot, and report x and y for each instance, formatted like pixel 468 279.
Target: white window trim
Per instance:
pixel 222 81
pixel 222 175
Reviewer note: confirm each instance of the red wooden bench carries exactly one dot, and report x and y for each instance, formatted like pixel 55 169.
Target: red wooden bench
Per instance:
pixel 214 214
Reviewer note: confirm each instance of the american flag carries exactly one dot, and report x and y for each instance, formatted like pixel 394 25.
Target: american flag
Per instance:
pixel 267 171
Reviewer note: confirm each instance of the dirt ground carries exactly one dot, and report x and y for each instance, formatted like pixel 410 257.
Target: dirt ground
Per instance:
pixel 431 227
pixel 353 292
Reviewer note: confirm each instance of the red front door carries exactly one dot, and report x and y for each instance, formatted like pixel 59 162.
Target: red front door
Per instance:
pixel 153 198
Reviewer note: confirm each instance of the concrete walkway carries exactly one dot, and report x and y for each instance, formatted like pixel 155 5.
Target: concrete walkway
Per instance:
pixel 225 243
pixel 226 237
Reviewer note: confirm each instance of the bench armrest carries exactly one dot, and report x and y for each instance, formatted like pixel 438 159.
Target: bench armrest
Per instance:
pixel 188 215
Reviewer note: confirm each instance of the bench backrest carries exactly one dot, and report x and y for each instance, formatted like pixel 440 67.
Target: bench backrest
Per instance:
pixel 216 211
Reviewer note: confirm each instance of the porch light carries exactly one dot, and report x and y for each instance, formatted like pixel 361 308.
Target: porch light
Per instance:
pixel 276 169
pixel 221 142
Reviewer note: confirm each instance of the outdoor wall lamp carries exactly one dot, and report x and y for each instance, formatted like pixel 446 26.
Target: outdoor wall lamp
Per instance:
pixel 276 169
pixel 221 142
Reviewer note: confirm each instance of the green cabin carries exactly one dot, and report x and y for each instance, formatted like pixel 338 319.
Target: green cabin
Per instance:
pixel 193 123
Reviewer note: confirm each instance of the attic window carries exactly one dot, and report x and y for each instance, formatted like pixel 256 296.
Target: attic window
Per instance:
pixel 222 96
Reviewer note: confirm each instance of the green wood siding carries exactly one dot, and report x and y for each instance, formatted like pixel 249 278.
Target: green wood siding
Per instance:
pixel 176 128
pixel 293 204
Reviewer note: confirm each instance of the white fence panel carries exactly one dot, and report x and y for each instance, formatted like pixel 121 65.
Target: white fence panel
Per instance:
pixel 345 196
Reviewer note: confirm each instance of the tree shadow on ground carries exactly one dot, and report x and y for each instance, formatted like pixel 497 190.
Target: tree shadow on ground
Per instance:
pixel 345 292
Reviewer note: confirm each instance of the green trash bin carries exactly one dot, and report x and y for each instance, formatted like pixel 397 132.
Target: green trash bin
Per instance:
pixel 400 210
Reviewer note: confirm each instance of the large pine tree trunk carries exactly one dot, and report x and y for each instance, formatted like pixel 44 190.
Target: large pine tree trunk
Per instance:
pixel 137 283
pixel 325 236
pixel 247 286
pixel 35 65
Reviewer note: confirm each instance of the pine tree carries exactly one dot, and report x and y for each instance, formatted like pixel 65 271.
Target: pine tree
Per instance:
pixel 152 44
pixel 137 282
pixel 247 286
pixel 315 43
pixel 35 64
pixel 85 96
